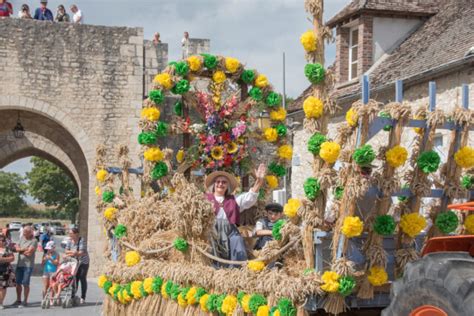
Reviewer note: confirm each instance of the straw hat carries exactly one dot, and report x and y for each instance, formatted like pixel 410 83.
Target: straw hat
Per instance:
pixel 233 183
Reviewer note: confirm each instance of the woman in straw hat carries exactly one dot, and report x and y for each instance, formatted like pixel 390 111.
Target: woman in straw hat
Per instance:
pixel 227 243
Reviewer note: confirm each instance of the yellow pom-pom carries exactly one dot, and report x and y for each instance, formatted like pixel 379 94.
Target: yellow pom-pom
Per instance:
pixel 148 285
pixel 396 156
pixel 329 151
pixel 330 287
pixel 276 313
pixel 190 296
pixel 308 40
pixel 270 134
pixel 203 302
pixel 153 154
pixel 194 63
pixel 469 224
pixel 101 175
pixel 272 181
pixel 132 258
pixel 245 303
pixel 464 157
pixel 330 276
pixel 229 304
pixel 263 310
pixel 110 213
pixel 98 192
pixel 278 115
pixel 219 77
pixel 163 291
pixel 135 289
pixel 232 64
pixel 151 114
pixel 182 301
pixel 291 207
pixel 164 80
pixel 112 289
pixel 101 281
pixel 352 226
pixel 255 265
pixel 261 81
pixel 412 224
pixel 377 276
pixel 285 152
pixel 313 107
pixel 180 156
pixel 352 117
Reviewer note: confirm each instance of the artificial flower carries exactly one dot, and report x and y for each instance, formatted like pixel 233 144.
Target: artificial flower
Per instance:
pixel 163 291
pixel 161 129
pixel 311 188
pixel 109 213
pixel 346 285
pixel 135 288
pixel 101 175
pixel 156 96
pixel 386 115
pixel 384 225
pixel 352 226
pixel 277 169
pixel 281 130
pixel 229 304
pixel 270 134
pixel 285 307
pixel 151 114
pixel 329 151
pixel 396 156
pixel 272 181
pixel 248 76
pixel 313 107
pixel 447 222
pixel 180 156
pixel 308 40
pixel 261 81
pixel 210 61
pixel 203 302
pixel 351 117
pixel 256 300
pixel 217 153
pixel 181 300
pixel 278 114
pixel 377 276
pixel 315 142
pixel 219 77
pixel 191 296
pixel 194 63
pixel 181 68
pixel 108 196
pixel 263 310
pixel 232 147
pixel 102 279
pixel 418 130
pixel 285 152
pixel 181 87
pixel 97 191
pixel 364 155
pixel 132 258
pixel 467 181
pixel 469 224
pixel 180 244
pixel 412 224
pixel 153 154
pixel 273 99
pixel 314 72
pixel 255 265
pixel 276 229
pixel 148 285
pixel 464 157
pixel 146 138
pixel 429 161
pixel 256 94
pixel 112 289
pixel 232 64
pixel 330 280
pixel 291 207
pixel 164 80
pixel 159 170
pixel 245 303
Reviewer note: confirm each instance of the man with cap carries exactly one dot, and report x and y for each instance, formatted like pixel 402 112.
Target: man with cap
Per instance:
pixel 264 226
pixel 43 13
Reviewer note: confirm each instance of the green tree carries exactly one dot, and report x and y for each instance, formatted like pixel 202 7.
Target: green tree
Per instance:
pixel 50 185
pixel 12 192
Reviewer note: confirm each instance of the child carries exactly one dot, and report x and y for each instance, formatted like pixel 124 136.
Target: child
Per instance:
pixel 50 263
pixel 61 279
pixel 263 228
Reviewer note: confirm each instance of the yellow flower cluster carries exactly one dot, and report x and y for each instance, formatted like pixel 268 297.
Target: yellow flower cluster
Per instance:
pixel 148 285
pixel 164 80
pixel 352 117
pixel 101 281
pixel 190 296
pixel 153 154
pixel 291 207
pixel 278 115
pixel 101 175
pixel 151 114
pixel 182 300
pixel 285 152
pixel 180 156
pixel 272 181
pixel 217 153
pixel 194 63
pixel 313 107
pixel 329 151
pixel 112 289
pixel 352 226
pixel 232 64
pixel 412 224
pixel 110 213
pixel 469 224
pixel 135 289
pixel 377 276
pixel 132 258
pixel 263 310
pixel 270 134
pixel 219 77
pixel 203 301
pixel 330 279
pixel 229 304
pixel 308 40
pixel 396 156
pixel 123 297
pixel 261 81
pixel 245 303
pixel 464 157
pixel 256 265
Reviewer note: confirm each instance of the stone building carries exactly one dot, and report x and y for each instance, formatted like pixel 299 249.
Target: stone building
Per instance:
pixel 416 41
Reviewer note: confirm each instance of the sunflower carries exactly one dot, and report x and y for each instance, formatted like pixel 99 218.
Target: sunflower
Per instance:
pixel 217 153
pixel 232 147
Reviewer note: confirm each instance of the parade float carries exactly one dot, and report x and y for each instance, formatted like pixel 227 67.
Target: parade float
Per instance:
pixel 159 260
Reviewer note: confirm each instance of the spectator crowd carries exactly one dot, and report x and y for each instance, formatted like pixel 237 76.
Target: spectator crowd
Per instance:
pixel 43 13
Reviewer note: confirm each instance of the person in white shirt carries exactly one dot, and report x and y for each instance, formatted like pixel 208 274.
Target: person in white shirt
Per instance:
pixel 25 12
pixel 78 17
pixel 185 45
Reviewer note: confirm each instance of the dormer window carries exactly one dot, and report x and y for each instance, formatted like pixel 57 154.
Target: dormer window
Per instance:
pixel 353 52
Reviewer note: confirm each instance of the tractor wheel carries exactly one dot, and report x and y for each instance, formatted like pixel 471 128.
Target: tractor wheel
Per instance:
pixel 440 283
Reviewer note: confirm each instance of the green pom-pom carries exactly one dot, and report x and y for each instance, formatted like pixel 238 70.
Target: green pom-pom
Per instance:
pixel 142 291
pixel 282 130
pixel 286 307
pixel 467 181
pixel 128 288
pixel 346 285
pixel 181 68
pixel 447 222
pixel 273 99
pixel 146 138
pixel 403 198
pixel 273 310
pixel 120 231
pixel 256 94
pixel 308 271
pixel 314 143
pixel 107 285
pixel 181 87
pixel 276 230
pixel 240 296
pixel 261 194
pixel 211 303
pixel 116 291
pixel 384 225
pixel 184 292
pixel 364 155
pixel 168 287
pixel 178 108
pixel 277 169
pixel 175 291
pixel 429 161
pixel 314 72
pixel 159 170
pixel 339 192
pixel 386 115
pixel 180 244
pixel 248 76
pixel 161 129
pixel 311 188
pixel 156 96
pixel 219 301
pixel 199 293
pixel 256 300
pixel 156 285
pixel 210 61
pixel 108 196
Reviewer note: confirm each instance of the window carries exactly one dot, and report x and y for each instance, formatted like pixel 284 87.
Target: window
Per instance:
pixel 353 52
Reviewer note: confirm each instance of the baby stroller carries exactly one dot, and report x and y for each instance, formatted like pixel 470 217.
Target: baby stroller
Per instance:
pixel 65 277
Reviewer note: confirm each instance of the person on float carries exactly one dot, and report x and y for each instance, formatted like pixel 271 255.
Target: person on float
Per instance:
pixel 227 243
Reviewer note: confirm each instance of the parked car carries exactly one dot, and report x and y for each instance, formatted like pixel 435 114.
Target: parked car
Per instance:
pixel 15 226
pixel 57 228
pixel 65 241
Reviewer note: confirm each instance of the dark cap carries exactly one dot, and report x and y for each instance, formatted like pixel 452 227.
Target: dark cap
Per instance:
pixel 274 207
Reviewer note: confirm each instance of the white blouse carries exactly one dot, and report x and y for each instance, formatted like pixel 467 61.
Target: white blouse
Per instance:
pixel 245 201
